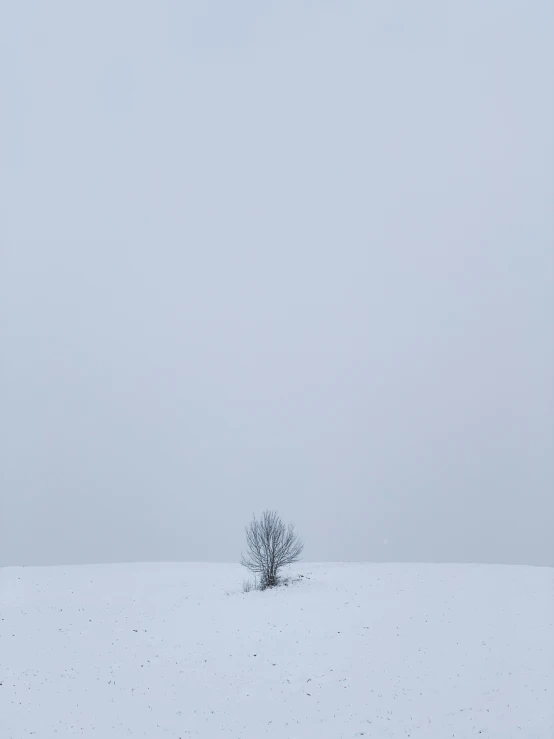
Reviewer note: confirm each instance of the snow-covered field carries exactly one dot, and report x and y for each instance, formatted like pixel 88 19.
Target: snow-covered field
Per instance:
pixel 348 650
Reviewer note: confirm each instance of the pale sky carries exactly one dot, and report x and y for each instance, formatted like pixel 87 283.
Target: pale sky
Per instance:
pixel 296 255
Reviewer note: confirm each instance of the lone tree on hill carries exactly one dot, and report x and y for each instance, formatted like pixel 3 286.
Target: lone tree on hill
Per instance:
pixel 270 546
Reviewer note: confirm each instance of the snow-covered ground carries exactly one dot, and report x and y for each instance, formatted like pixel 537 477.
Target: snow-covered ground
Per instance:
pixel 348 650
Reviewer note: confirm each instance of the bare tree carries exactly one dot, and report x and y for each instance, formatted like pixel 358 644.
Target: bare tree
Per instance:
pixel 270 546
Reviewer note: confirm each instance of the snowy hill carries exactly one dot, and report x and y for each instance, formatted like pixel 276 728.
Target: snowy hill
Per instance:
pixel 348 650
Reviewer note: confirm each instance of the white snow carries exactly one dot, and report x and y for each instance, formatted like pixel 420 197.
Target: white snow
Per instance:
pixel 350 650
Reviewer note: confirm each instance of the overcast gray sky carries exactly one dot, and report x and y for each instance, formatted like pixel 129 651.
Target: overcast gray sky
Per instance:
pixel 287 254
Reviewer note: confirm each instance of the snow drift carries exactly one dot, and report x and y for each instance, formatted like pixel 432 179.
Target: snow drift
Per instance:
pixel 346 650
